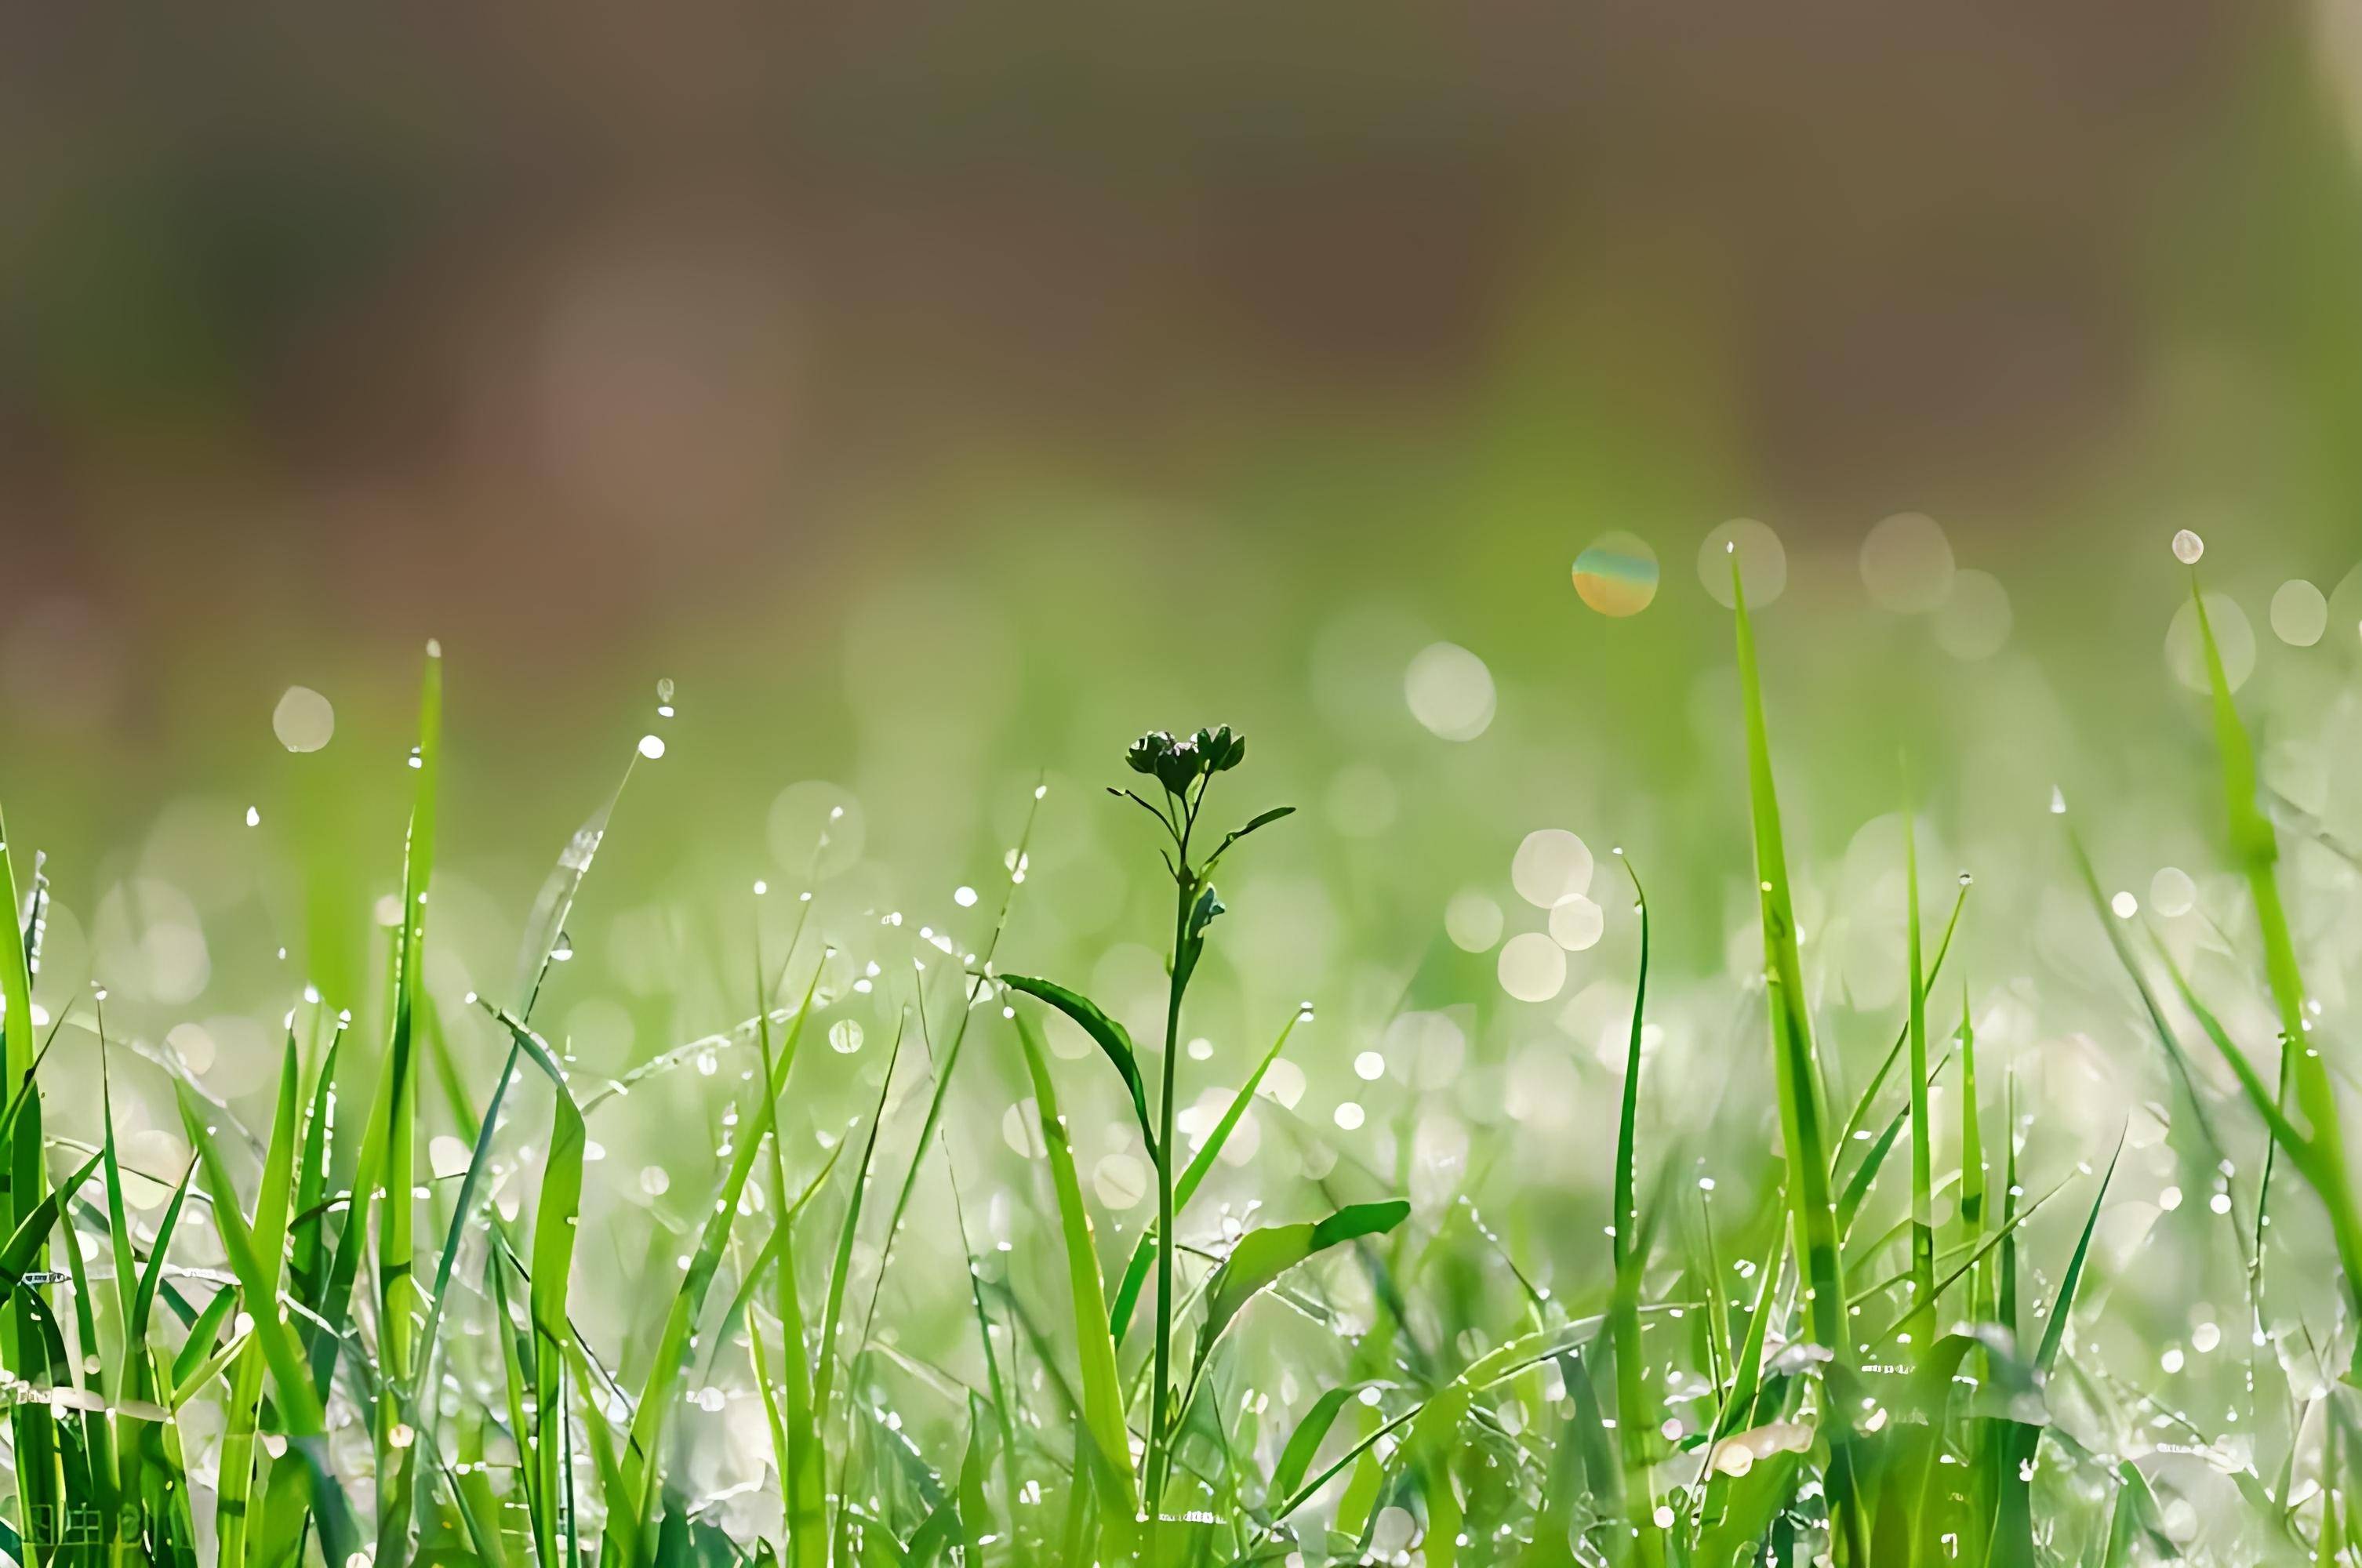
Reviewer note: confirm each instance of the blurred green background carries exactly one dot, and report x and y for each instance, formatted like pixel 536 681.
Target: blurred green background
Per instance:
pixel 940 395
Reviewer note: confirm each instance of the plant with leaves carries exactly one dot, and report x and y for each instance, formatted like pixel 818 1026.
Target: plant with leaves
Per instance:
pixel 1184 770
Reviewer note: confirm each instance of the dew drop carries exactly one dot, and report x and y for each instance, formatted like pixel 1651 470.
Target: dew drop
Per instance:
pixel 2187 546
pixel 652 746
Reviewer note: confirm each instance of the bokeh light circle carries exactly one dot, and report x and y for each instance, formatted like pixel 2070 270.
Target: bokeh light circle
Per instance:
pixel 303 721
pixel 2299 613
pixel 1550 865
pixel 1575 922
pixel 1532 967
pixel 1975 620
pixel 2185 651
pixel 1616 574
pixel 1449 691
pixel 1762 562
pixel 1906 564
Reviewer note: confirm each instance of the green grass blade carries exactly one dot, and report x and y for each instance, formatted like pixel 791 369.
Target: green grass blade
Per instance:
pixel 556 1211
pixel 1102 1393
pixel 627 1525
pixel 803 1483
pixel 2256 848
pixel 1791 1030
pixel 1635 1413
pixel 1797 1070
pixel 2013 1541
pixel 831 1322
pixel 1922 1327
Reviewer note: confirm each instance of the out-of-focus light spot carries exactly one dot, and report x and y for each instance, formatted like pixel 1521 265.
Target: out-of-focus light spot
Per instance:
pixel 652 746
pixel 1575 922
pixel 1020 1129
pixel 1121 1181
pixel 1284 1082
pixel 1201 1049
pixel 844 1037
pixel 1532 967
pixel 303 721
pixel 446 1156
pixel 2126 906
pixel 1762 562
pixel 1551 864
pixel 1349 1116
pixel 2170 1199
pixel 2299 613
pixel 655 1180
pixel 1975 621
pixel 2171 1360
pixel 1906 564
pixel 2171 892
pixel 193 1044
pixel 1616 574
pixel 1369 1066
pixel 2185 651
pixel 1473 921
pixel 1449 691
pixel 964 896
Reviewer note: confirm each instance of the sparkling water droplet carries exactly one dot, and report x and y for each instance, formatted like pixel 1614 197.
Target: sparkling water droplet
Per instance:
pixel 253 817
pixel 844 1037
pixel 564 951
pixel 652 746
pixel 2187 546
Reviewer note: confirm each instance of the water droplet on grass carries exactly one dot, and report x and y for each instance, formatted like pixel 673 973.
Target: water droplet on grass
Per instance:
pixel 2188 548
pixel 1762 562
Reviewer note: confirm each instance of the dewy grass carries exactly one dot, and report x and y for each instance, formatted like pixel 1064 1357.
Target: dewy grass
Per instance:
pixel 321 1340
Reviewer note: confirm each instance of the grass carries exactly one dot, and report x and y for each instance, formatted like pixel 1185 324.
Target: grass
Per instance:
pixel 331 1343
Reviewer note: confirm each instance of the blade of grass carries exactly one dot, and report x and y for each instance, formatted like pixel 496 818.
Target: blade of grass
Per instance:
pixel 1797 1071
pixel 1635 1416
pixel 1102 1393
pixel 1922 1325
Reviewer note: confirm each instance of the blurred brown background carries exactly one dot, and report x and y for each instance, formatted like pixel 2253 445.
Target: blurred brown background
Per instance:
pixel 611 342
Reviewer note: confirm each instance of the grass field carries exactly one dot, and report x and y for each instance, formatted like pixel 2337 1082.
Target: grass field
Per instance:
pixel 917 1256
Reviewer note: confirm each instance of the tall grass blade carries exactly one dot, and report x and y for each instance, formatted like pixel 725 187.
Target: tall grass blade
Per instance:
pixel 1110 1459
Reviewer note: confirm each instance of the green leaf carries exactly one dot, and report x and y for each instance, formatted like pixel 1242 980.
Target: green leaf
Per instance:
pixel 1303 1443
pixel 1112 1039
pixel 1263 1254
